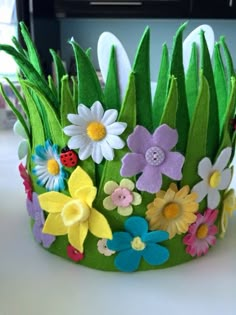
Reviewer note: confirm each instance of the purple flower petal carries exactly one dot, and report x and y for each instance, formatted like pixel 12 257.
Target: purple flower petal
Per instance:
pixel 37 231
pixel 172 166
pixel 150 180
pixel 165 137
pixel 132 164
pixel 47 240
pixel 140 140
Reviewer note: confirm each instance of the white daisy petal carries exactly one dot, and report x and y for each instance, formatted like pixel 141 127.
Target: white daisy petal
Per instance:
pixel 76 142
pixel 115 142
pixel 223 159
pixel 213 198
pixel 73 130
pixel 204 168
pixel 116 128
pixel 97 153
pixel 107 151
pixel 109 116
pixel 84 112
pixel 97 111
pixel 86 151
pixel 76 120
pixel 201 189
pixel 226 176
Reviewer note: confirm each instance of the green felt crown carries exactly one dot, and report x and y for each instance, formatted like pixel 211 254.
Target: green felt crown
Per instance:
pixel 131 183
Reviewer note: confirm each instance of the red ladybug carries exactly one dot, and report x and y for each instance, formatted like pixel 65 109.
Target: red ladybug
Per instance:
pixel 68 157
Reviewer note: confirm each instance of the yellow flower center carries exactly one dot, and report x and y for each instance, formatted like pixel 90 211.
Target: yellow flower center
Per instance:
pixel 75 211
pixel 137 243
pixel 53 167
pixel 171 211
pixel 215 179
pixel 96 131
pixel 202 231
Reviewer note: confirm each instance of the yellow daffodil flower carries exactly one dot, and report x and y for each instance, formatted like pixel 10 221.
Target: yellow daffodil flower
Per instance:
pixel 74 215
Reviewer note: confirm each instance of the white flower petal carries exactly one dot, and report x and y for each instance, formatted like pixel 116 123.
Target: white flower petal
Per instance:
pixel 86 151
pixel 116 128
pixel 223 159
pixel 23 149
pixel 97 111
pixel 127 183
pixel 19 130
pixel 73 130
pixel 97 153
pixel 204 168
pixel 108 203
pixel 125 211
pixel 107 151
pixel 84 112
pixel 76 142
pixel 201 189
pixel 110 186
pixel 75 119
pixel 213 198
pixel 115 141
pixel 226 176
pixel 109 116
pixel 137 199
pixel 50 183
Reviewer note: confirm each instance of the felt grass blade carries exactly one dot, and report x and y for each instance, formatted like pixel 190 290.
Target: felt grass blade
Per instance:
pixel 30 73
pixel 59 71
pixel 192 80
pixel 112 90
pixel 18 46
pixel 220 83
pixel 141 68
pixel 88 83
pixel 229 62
pixel 197 139
pixel 67 103
pixel 177 69
pixel 213 127
pixel 15 111
pixel 161 89
pixel 75 90
pixel 56 134
pixel 52 85
pixel 32 51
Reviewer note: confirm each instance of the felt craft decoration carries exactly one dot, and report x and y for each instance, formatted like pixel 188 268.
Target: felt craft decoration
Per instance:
pixel 131 174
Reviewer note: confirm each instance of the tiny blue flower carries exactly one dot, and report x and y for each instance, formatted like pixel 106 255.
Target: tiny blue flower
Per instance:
pixel 137 243
pixel 49 169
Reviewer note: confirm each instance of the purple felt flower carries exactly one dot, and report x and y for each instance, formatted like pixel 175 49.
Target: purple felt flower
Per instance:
pixel 36 213
pixel 151 155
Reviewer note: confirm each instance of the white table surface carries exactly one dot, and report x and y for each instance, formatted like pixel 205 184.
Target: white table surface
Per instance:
pixel 35 282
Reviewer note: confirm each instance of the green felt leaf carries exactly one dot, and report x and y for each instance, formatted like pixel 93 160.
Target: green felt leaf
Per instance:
pixel 15 111
pixel 141 68
pixel 213 127
pixel 52 86
pixel 75 90
pixel 112 91
pixel 37 127
pixel 161 89
pixel 192 80
pixel 229 62
pixel 50 118
pixel 18 46
pixel 89 53
pixel 197 139
pixel 59 71
pixel 67 103
pixel 177 69
pixel 171 106
pixel 220 84
pixel 88 83
pixel 32 51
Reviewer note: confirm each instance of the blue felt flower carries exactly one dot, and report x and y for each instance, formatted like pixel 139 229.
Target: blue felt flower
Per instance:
pixel 48 168
pixel 136 243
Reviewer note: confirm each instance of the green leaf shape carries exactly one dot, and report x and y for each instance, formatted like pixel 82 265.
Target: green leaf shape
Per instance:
pixel 67 102
pixel 197 139
pixel 111 90
pixel 161 89
pixel 192 80
pixel 18 46
pixel 228 132
pixel 75 90
pixel 50 118
pixel 177 69
pixel 31 48
pixel 30 73
pixel 52 86
pixel 229 62
pixel 111 169
pixel 88 83
pixel 214 126
pixel 59 71
pixel 141 68
pixel 15 111
pixel 220 83
pixel 37 128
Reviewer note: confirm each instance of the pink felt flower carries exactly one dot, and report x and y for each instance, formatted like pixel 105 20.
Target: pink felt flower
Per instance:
pixel 201 234
pixel 27 181
pixel 74 254
pixel 151 157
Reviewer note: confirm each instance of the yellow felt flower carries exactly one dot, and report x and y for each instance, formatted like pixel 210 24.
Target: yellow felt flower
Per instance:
pixel 229 205
pixel 74 214
pixel 172 210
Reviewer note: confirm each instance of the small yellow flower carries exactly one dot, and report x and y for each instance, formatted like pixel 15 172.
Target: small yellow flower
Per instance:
pixel 172 210
pixel 229 205
pixel 74 215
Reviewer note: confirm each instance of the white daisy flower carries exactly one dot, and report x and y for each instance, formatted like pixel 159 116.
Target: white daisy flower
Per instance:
pixel 95 132
pixel 214 178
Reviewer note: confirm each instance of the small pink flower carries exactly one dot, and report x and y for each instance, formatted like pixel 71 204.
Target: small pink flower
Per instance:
pixel 74 254
pixel 201 234
pixel 27 181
